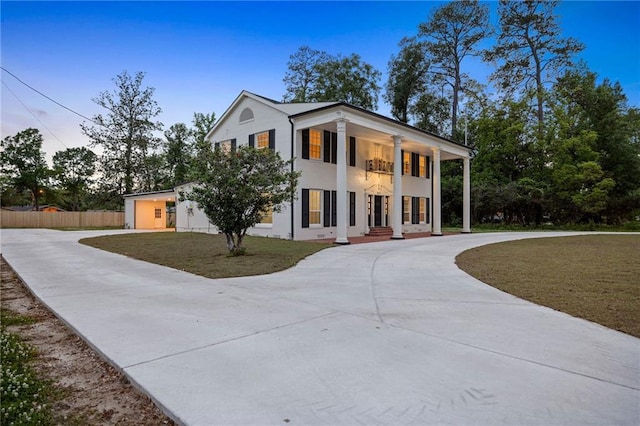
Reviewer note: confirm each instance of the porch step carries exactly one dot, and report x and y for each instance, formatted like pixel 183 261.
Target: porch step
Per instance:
pixel 380 230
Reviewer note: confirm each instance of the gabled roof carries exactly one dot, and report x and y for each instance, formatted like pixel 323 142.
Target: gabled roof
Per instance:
pixel 286 108
pixel 297 109
pixel 319 108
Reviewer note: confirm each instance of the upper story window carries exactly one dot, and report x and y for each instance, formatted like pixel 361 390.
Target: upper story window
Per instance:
pixel 406 162
pixel 315 144
pixel 262 140
pixel 246 115
pixel 423 166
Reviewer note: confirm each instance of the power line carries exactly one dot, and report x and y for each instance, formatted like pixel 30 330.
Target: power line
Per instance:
pixel 34 116
pixel 42 94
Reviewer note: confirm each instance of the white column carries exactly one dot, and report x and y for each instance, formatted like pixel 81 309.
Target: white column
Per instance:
pixel 437 202
pixel 396 220
pixel 466 197
pixel 341 183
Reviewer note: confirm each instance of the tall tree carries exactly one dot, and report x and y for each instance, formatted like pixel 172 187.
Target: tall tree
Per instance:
pixel 178 148
pixel 407 78
pixel 202 124
pixel 238 187
pixel 74 168
pixel 126 132
pixel 22 161
pixel 451 33
pixel 530 50
pixel 347 79
pixel 315 76
pixel 302 73
pixel 582 106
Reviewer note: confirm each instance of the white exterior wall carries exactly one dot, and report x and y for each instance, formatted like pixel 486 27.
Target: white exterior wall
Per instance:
pixel 129 213
pixel 316 174
pixel 189 218
pixel 265 118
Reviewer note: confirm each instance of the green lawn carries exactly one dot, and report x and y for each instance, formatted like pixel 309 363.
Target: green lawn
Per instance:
pixel 207 255
pixel 595 277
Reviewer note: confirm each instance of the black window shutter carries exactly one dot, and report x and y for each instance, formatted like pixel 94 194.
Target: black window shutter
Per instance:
pixel 305 144
pixel 305 208
pixel 415 164
pixel 216 145
pixel 428 164
pixel 334 148
pixel 401 161
pixel 334 209
pixel 415 210
pixel 326 209
pixel 272 139
pixel 352 209
pixel 352 152
pixel 427 213
pixel 252 141
pixel 326 146
pixel 233 144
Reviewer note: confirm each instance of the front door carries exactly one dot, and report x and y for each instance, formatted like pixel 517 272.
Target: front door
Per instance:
pixel 377 210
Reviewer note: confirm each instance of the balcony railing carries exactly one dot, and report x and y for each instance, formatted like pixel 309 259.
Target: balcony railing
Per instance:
pixel 378 165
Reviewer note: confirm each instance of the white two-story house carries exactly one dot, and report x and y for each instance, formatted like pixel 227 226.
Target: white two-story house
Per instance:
pixel 360 170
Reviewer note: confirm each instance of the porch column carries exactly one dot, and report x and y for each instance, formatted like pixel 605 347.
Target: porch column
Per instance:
pixel 341 183
pixel 437 202
pixel 466 197
pixel 397 188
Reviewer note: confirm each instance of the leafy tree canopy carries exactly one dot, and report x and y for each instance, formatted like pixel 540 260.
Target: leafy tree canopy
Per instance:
pixel 315 76
pixel 74 169
pixel 126 133
pixel 22 163
pixel 238 187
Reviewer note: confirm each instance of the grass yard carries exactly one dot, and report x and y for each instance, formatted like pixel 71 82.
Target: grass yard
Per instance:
pixel 207 255
pixel 595 277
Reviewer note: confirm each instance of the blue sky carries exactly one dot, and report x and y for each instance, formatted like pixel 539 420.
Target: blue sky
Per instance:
pixel 200 55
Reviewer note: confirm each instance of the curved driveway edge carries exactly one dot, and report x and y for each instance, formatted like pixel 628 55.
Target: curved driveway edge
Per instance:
pixel 380 333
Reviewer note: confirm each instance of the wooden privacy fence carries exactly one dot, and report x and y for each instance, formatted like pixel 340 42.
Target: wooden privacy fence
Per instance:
pixel 11 219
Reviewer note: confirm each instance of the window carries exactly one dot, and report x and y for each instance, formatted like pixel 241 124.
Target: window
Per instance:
pixel 158 213
pixel 406 209
pixel 315 144
pixel 315 207
pixel 246 115
pixel 267 216
pixel 225 146
pixel 406 163
pixel 262 140
pixel 423 166
pixel 423 209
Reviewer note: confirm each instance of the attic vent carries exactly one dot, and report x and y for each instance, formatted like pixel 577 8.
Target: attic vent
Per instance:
pixel 246 115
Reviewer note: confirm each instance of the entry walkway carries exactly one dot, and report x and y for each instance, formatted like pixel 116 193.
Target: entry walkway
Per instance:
pixel 381 333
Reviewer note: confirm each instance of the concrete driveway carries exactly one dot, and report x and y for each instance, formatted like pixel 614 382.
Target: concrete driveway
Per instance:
pixel 382 333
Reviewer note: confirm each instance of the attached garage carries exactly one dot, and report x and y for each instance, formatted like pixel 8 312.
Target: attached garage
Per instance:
pixel 150 210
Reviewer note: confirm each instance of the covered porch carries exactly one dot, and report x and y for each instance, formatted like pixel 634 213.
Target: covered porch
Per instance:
pixel 393 169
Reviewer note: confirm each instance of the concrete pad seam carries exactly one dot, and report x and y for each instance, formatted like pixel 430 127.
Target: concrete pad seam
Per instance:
pixel 233 339
pixel 469 345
